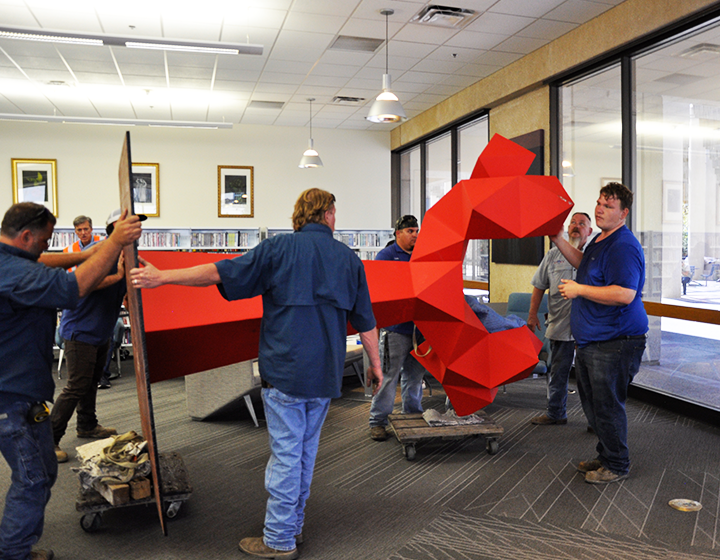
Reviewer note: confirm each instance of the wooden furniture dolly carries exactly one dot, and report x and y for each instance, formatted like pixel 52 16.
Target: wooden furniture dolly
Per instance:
pixel 176 489
pixel 412 428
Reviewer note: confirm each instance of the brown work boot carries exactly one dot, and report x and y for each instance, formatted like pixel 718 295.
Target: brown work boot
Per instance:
pixel 545 420
pixel 98 432
pixel 589 466
pixel 379 433
pixel 62 457
pixel 604 476
pixel 42 554
pixel 254 546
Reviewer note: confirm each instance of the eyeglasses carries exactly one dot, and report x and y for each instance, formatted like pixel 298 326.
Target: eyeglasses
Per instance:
pixel 35 217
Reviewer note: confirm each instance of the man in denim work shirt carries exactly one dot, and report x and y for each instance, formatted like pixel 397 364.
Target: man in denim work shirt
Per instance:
pixel 609 323
pixel 396 343
pixel 553 268
pixel 311 285
pixel 33 286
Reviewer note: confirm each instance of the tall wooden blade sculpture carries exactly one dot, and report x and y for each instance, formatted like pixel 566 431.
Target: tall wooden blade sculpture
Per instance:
pixel 137 325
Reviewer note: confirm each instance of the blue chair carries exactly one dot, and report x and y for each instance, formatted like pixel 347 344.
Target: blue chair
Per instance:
pixel 710 273
pixel 519 304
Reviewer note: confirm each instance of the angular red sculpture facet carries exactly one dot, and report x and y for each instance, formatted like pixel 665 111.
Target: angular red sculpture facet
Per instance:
pixel 190 330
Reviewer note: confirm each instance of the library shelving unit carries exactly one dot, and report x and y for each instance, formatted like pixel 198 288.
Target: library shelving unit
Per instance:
pixel 179 239
pixel 365 242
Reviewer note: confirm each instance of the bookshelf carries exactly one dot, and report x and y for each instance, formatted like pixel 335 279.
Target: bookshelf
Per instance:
pixel 179 239
pixel 365 242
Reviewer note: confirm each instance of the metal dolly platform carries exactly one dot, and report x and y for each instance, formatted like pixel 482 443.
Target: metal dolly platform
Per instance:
pixel 410 429
pixel 176 489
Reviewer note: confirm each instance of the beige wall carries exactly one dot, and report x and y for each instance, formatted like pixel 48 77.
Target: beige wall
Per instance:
pixel 518 97
pixel 525 114
pixel 88 158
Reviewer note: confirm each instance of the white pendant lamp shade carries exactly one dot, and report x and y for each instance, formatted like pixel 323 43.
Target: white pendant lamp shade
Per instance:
pixel 386 108
pixel 310 157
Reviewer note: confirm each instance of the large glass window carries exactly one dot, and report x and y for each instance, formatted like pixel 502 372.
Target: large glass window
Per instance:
pixel 441 173
pixel 676 215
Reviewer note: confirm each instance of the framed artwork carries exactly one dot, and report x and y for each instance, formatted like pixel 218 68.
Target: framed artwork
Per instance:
pixel 35 180
pixel 236 191
pixel 672 202
pixel 145 184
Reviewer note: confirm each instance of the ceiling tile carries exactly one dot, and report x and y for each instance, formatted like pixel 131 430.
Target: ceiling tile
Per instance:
pixel 415 33
pixel 499 24
pixel 576 11
pixel 547 29
pixel 319 23
pixel 536 8
pixel 476 40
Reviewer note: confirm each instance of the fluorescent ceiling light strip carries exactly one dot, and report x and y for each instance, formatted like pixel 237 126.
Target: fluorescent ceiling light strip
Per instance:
pixel 185 48
pixel 108 121
pixel 51 38
pixel 55 36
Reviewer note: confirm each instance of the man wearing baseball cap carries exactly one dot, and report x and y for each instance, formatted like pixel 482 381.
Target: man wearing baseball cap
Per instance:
pixel 396 343
pixel 87 332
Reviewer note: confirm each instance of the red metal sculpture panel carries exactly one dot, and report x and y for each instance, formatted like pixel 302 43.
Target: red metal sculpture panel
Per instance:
pixel 498 202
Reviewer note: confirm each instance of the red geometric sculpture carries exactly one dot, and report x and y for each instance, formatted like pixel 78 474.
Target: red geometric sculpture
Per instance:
pixel 190 330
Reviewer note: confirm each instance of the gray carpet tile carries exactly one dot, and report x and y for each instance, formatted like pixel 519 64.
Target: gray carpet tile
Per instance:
pixel 454 501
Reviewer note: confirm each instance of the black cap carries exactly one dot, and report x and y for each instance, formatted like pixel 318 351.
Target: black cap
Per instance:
pixel 406 221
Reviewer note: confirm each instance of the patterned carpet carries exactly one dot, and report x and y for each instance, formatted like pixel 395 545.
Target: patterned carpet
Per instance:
pixel 454 501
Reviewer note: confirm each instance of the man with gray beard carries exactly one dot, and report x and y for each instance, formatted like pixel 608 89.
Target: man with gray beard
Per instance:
pixel 552 269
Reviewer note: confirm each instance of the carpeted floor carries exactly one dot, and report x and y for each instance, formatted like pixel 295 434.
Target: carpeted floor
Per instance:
pixel 453 502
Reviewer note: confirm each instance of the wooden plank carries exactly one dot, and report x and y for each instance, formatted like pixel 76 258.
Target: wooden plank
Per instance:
pixel 410 428
pixel 115 494
pixel 137 325
pixel 139 489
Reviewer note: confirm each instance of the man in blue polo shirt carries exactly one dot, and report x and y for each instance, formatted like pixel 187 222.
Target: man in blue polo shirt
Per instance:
pixel 311 286
pixel 396 343
pixel 33 285
pixel 609 324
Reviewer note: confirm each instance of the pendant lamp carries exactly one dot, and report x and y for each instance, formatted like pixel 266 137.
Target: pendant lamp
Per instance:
pixel 386 108
pixel 310 157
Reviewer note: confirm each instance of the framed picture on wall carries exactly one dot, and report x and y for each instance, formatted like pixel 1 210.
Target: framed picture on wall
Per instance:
pixel 145 185
pixel 236 191
pixel 35 180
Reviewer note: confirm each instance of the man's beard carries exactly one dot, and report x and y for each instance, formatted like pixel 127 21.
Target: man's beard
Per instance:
pixel 576 242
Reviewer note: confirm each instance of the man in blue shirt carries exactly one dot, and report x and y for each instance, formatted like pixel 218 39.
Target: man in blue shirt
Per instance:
pixel 396 343
pixel 87 332
pixel 33 286
pixel 609 324
pixel 311 286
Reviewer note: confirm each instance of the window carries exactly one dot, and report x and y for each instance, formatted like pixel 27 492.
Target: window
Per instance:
pixel 671 159
pixel 445 165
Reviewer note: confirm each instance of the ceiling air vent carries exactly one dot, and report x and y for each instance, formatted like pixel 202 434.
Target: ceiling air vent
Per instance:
pixel 357 44
pixel 344 100
pixel 277 105
pixel 444 16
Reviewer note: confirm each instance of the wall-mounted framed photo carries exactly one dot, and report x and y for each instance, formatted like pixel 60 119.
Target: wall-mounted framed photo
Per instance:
pixel 236 191
pixel 35 180
pixel 145 185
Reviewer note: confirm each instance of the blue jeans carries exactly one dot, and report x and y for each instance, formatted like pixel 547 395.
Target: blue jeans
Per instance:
pixel 604 370
pixel 29 451
pixel 398 364
pixel 561 356
pixel 294 430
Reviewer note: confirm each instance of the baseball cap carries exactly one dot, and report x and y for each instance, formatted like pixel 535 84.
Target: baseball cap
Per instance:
pixel 405 222
pixel 115 216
